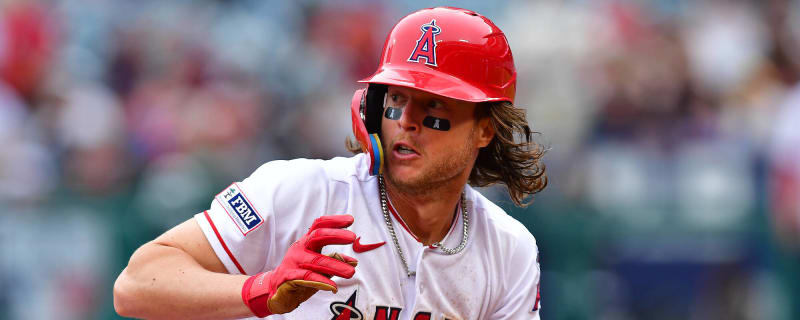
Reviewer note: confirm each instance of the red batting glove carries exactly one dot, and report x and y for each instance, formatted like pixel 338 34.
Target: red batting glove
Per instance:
pixel 304 270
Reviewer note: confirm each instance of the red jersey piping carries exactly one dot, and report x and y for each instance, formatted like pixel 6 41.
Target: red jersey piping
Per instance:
pixel 222 242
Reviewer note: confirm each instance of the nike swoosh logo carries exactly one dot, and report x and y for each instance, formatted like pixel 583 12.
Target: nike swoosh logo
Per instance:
pixel 361 248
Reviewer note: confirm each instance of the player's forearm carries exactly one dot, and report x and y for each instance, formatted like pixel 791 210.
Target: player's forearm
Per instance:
pixel 165 282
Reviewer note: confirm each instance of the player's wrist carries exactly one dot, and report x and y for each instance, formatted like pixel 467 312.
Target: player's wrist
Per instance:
pixel 255 294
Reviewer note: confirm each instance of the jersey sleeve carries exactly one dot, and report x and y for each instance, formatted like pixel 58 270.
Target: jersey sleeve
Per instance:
pixel 250 224
pixel 522 297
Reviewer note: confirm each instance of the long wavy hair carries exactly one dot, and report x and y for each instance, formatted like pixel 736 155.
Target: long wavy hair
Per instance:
pixel 512 157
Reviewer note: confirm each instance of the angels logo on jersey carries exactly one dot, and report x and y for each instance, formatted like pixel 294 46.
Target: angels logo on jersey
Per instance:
pixel 346 310
pixel 426 45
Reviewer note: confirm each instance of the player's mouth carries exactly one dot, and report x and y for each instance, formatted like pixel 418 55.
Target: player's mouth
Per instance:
pixel 404 151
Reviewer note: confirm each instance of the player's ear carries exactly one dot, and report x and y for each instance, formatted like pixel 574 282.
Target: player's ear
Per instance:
pixel 484 130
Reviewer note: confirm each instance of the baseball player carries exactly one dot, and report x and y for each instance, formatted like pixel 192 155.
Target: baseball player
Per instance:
pixel 394 232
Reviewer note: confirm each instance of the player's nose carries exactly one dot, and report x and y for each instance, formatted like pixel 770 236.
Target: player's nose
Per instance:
pixel 411 117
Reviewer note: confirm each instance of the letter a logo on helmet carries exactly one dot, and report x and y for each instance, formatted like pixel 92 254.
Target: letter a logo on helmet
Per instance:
pixel 426 45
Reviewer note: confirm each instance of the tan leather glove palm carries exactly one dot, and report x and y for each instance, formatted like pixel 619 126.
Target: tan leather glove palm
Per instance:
pixel 293 292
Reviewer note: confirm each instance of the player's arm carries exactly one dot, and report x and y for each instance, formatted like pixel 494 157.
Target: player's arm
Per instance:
pixel 178 275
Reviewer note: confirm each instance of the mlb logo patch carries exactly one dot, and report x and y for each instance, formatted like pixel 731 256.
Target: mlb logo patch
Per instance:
pixel 239 209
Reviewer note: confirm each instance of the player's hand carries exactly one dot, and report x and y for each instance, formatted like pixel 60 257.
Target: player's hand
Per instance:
pixel 304 270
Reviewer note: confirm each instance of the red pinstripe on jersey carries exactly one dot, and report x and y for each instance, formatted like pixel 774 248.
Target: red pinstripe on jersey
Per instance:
pixel 400 220
pixel 222 242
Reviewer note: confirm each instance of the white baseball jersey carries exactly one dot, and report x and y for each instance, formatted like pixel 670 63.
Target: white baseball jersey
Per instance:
pixel 251 224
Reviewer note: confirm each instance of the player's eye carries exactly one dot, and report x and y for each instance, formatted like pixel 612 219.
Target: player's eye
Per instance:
pixel 396 100
pixel 435 104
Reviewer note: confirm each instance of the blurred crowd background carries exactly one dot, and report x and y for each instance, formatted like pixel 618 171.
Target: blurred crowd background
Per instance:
pixel 673 128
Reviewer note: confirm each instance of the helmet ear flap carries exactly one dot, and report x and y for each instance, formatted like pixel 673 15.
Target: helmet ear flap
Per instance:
pixel 366 110
pixel 373 107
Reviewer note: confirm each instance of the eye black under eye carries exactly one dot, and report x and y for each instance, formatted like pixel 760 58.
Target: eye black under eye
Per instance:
pixel 393 113
pixel 436 123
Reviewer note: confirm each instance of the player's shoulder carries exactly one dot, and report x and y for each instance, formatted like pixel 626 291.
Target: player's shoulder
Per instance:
pixel 347 168
pixel 339 168
pixel 500 224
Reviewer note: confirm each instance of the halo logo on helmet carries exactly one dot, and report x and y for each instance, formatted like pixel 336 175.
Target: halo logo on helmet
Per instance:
pixel 426 45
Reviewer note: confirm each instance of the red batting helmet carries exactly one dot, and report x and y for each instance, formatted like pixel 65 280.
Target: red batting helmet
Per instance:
pixel 471 57
pixel 446 51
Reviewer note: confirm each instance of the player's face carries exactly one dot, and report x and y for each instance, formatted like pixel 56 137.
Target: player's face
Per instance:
pixel 429 140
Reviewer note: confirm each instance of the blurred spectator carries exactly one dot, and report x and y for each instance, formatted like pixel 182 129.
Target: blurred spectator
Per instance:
pixel 27 44
pixel 785 173
pixel 24 157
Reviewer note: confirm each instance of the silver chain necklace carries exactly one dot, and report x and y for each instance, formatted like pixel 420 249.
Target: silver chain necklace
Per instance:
pixel 438 245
